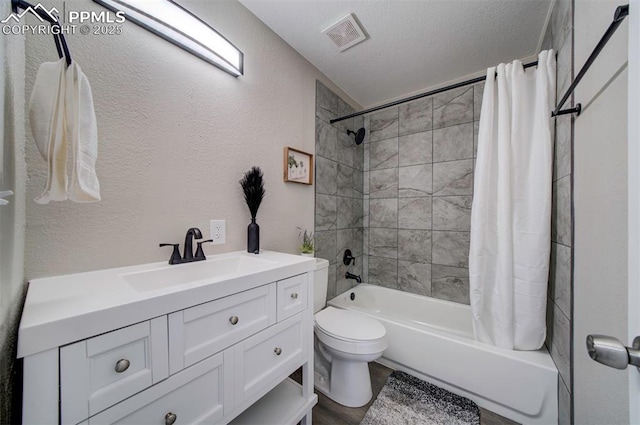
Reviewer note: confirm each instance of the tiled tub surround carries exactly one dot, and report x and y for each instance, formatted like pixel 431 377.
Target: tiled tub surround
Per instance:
pixel 339 184
pixel 418 189
pixel 415 185
pixel 559 36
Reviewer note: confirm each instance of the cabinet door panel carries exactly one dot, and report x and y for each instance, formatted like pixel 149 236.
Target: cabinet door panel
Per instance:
pixel 268 357
pixel 101 371
pixel 194 396
pixel 203 330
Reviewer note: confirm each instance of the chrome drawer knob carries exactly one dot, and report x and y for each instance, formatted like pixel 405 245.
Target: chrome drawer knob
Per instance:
pixel 233 320
pixel 294 296
pixel 122 365
pixel 278 351
pixel 170 418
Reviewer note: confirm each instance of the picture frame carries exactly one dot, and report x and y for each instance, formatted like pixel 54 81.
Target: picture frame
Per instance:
pixel 298 166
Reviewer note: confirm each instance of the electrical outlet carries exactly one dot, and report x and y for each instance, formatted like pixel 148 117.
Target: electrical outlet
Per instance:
pixel 219 231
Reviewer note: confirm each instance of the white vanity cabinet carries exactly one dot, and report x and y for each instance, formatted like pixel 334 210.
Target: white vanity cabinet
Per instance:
pixel 224 355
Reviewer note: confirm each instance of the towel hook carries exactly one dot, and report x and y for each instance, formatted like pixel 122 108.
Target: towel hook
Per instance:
pixel 61 42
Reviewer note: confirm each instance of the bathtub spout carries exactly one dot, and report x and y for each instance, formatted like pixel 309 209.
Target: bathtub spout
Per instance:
pixel 356 277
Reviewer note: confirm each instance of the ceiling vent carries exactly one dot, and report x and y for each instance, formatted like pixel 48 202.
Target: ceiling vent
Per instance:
pixel 345 33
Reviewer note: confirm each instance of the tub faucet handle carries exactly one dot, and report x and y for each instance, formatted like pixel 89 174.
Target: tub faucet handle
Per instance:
pixel 347 258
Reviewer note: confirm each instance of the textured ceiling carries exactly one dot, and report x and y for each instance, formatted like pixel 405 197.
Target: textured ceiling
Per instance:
pixel 412 45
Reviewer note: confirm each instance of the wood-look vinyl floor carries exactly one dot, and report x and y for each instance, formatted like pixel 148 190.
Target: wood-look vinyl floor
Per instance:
pixel 328 412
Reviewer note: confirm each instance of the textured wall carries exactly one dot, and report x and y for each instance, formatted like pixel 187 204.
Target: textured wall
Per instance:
pixel 418 187
pixel 339 172
pixel 559 36
pixel 176 135
pixel 12 216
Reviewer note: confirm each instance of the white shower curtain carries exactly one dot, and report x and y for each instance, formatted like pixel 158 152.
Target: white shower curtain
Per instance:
pixel 511 211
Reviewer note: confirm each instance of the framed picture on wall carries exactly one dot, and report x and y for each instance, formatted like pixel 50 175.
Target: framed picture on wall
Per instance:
pixel 298 166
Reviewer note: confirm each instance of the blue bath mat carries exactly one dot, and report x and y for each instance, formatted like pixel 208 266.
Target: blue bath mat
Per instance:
pixel 405 399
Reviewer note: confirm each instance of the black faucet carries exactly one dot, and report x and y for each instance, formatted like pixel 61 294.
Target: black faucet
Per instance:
pixel 355 277
pixel 188 242
pixel 188 256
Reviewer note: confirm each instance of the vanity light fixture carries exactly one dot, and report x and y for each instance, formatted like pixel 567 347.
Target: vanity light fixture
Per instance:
pixel 177 25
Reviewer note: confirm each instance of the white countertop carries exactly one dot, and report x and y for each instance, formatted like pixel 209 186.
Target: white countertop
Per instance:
pixel 64 309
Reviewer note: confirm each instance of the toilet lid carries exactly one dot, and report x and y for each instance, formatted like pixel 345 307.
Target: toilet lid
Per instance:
pixel 348 324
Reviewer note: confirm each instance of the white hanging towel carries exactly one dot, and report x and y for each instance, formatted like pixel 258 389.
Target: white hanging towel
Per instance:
pixel 82 132
pixel 511 211
pixel 62 117
pixel 47 118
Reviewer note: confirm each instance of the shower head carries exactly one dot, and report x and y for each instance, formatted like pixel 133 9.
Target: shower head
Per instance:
pixel 359 135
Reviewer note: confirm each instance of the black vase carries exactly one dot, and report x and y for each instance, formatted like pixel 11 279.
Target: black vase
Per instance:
pixel 253 237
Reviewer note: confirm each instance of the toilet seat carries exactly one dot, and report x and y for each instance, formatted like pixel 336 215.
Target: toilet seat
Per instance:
pixel 350 331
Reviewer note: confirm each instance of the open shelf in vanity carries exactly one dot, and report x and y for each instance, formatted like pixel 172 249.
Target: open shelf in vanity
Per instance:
pixel 284 404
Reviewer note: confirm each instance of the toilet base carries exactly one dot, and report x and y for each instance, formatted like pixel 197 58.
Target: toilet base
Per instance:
pixel 349 384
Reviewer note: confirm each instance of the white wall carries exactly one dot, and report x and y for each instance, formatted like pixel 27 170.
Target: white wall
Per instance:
pixel 12 171
pixel 633 144
pixel 12 216
pixel 600 200
pixel 176 135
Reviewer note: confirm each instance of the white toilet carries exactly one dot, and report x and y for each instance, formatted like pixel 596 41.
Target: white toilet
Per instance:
pixel 345 342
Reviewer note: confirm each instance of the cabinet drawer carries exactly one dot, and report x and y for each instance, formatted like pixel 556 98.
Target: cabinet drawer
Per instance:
pixel 201 331
pixel 101 371
pixel 194 396
pixel 292 296
pixel 268 357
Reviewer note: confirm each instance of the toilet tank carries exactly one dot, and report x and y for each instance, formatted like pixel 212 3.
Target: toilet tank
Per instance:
pixel 320 281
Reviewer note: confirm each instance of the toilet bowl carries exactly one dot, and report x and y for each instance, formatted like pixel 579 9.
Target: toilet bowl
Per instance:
pixel 345 342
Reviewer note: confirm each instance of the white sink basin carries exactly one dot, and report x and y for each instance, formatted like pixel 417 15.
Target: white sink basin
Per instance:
pixel 208 270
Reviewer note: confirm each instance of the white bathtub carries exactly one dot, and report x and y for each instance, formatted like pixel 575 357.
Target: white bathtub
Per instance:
pixel 433 340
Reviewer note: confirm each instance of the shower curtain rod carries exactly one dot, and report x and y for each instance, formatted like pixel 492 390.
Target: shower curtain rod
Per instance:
pixel 421 95
pixel 619 15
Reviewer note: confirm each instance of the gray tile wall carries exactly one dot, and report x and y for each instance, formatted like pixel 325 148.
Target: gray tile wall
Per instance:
pixel 339 164
pixel 418 188
pixel 559 36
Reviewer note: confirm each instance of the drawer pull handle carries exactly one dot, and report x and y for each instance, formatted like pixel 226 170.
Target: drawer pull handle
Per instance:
pixel 170 418
pixel 122 365
pixel 233 320
pixel 278 351
pixel 294 296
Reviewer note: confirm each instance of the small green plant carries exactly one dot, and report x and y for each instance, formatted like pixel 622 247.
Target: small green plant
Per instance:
pixel 306 238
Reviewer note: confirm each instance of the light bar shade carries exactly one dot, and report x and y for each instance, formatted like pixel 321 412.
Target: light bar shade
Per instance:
pixel 180 27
